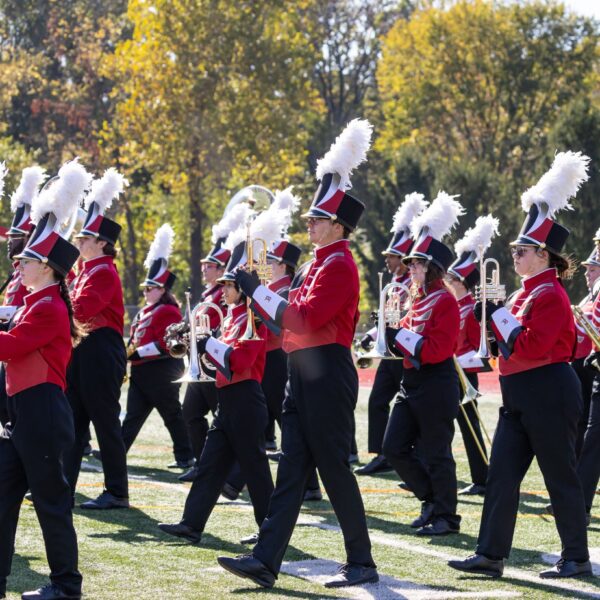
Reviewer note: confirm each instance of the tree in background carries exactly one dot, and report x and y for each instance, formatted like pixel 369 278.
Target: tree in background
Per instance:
pixel 476 89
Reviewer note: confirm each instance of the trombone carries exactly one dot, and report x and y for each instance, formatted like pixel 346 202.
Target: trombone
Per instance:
pixel 390 312
pixel 488 290
pixel 199 325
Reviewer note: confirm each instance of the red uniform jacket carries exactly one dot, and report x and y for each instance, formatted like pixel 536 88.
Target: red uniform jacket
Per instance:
pixel 596 314
pixel 325 308
pixel 237 360
pixel 148 331
pixel 539 329
pixel 214 294
pixel 432 324
pixel 584 344
pixel 97 295
pixel 38 348
pixel 15 291
pixel 282 288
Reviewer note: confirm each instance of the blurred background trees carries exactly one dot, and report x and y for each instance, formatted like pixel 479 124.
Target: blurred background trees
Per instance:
pixel 194 100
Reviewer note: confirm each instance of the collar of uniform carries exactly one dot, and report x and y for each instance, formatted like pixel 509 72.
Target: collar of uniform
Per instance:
pixel 211 290
pixel 281 282
pixel 99 260
pixel 434 286
pixel 15 263
pixel 338 246
pixel 466 299
pixel 405 279
pixel 33 297
pixel 237 310
pixel 549 274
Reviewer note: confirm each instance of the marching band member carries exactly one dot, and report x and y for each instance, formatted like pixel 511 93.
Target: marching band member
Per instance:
pixel 199 400
pixel 423 416
pixel 389 372
pixel 584 344
pixel 40 430
pixel 98 365
pixel 541 394
pixel 238 429
pixel 322 388
pixel 463 276
pixel 588 468
pixel 154 372
pixel 18 235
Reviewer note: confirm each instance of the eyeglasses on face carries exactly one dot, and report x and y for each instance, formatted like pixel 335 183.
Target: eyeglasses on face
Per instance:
pixel 520 250
pixel 315 220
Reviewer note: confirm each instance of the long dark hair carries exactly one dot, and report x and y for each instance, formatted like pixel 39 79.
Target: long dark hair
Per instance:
pixel 433 273
pixel 168 298
pixel 565 265
pixel 78 331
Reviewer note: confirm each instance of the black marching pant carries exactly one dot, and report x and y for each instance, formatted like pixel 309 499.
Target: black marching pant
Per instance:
pixel 586 378
pixel 539 417
pixel 424 416
pixel 151 386
pixel 386 386
pixel 31 457
pixel 316 431
pixel 94 380
pixel 477 466
pixel 588 468
pixel 3 396
pixel 237 434
pixel 199 400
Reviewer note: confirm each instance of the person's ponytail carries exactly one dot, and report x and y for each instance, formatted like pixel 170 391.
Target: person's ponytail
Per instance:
pixel 77 330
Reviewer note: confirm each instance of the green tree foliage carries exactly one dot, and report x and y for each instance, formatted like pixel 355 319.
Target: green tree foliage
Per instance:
pixel 476 90
pixel 211 97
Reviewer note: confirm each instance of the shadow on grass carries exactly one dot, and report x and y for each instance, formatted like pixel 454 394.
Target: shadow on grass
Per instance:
pixel 25 578
pixel 280 593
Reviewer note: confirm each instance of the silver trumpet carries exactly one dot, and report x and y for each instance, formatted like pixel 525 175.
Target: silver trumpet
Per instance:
pixel 390 312
pixel 199 325
pixel 491 290
pixel 588 327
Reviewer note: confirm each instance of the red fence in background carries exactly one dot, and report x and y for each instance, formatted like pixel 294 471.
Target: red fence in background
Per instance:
pixel 488 382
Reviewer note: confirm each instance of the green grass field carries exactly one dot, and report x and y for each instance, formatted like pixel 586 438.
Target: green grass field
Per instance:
pixel 123 555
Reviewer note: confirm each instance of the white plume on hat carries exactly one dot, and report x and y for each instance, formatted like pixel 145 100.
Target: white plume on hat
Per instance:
pixel 28 189
pixel 413 205
pixel 62 195
pixel 439 217
pixel 479 237
pixel 238 215
pixel 597 236
pixel 3 173
pixel 347 152
pixel 286 201
pixel 106 189
pixel 559 184
pixel 269 224
pixel 161 246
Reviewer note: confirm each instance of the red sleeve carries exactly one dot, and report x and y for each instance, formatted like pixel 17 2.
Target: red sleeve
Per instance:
pixel 167 315
pixel 541 329
pixel 472 330
pixel 245 353
pixel 35 330
pixel 334 286
pixel 96 294
pixel 439 339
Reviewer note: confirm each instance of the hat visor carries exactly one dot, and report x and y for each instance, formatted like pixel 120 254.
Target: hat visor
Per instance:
pixel 316 213
pixel 226 277
pixel 150 283
pixel 29 256
pixel 212 261
pixel 417 256
pixel 591 263
pixel 84 233
pixel 388 252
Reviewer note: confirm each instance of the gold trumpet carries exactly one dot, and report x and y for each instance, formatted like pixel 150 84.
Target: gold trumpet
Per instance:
pixel 590 330
pixel 264 272
pixel 390 312
pixel 488 290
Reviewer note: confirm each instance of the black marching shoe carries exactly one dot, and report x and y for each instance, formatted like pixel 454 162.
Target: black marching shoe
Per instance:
pixel 189 476
pixel 479 564
pixel 248 567
pixel 106 501
pixel 475 489
pixel 438 526
pixel 251 539
pixel 404 486
pixel 379 464
pixel 352 574
pixel 181 531
pixel 424 517
pixel 230 492
pixel 50 592
pixel 313 495
pixel 181 464
pixel 567 568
